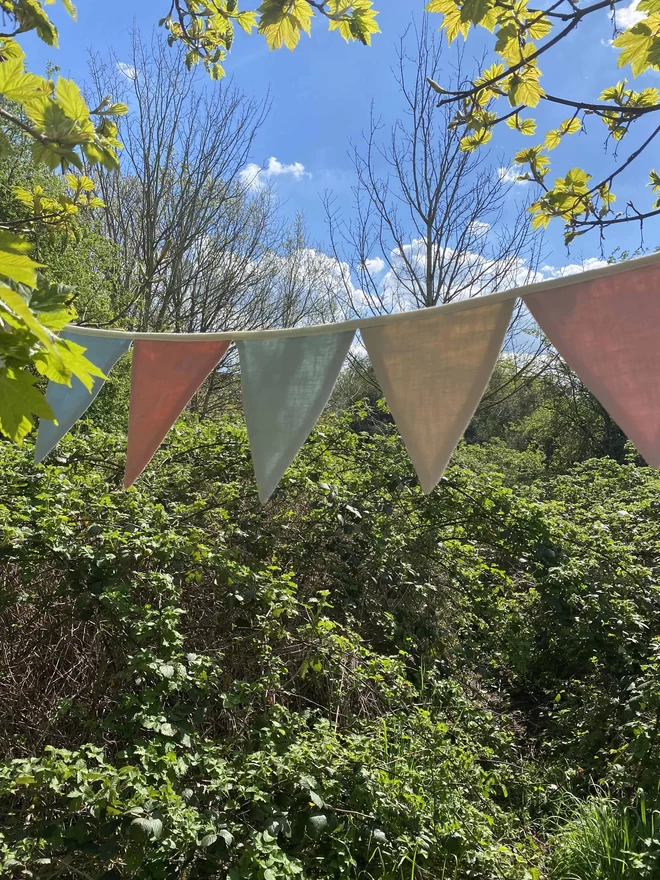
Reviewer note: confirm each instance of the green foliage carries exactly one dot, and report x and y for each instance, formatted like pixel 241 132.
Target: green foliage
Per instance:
pixel 522 34
pixel 356 680
pixel 56 122
pixel 206 28
pixel 604 840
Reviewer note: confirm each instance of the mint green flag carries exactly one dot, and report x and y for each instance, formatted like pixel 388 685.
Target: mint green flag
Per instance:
pixel 286 383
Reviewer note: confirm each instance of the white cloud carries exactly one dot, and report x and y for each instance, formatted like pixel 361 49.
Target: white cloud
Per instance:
pixel 126 70
pixel 510 175
pixel 474 274
pixel 479 228
pixel 627 16
pixel 374 265
pixel 572 268
pixel 253 175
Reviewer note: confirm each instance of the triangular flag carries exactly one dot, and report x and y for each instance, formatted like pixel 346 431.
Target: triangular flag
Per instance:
pixel 69 403
pixel 286 383
pixel 608 332
pixel 433 372
pixel 164 377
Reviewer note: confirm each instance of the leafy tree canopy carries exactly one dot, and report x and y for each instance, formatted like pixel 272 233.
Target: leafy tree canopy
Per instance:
pixel 523 34
pixel 63 133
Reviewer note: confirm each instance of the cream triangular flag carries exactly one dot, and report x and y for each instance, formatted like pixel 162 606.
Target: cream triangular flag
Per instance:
pixel 433 372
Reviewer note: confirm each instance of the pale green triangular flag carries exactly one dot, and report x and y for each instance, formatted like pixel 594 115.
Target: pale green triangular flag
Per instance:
pixel 286 383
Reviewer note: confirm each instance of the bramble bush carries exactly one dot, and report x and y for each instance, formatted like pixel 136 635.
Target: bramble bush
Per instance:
pixel 352 681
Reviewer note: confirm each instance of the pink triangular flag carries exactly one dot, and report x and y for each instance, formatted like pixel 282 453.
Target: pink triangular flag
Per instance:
pixel 433 370
pixel 164 377
pixel 608 332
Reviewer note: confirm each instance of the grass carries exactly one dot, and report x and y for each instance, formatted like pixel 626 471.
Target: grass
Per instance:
pixel 605 839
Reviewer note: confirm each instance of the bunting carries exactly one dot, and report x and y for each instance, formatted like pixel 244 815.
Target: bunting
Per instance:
pixel 433 373
pixel 608 332
pixel 433 367
pixel 70 403
pixel 164 377
pixel 286 384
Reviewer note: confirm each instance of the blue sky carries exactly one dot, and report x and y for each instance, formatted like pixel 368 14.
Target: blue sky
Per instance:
pixel 321 95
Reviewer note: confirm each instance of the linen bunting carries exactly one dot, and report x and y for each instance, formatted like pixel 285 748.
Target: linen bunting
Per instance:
pixel 286 383
pixel 433 367
pixel 70 403
pixel 433 373
pixel 608 332
pixel 164 377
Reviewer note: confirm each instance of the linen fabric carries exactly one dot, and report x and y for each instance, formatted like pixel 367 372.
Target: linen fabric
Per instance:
pixel 608 332
pixel 286 383
pixel 70 403
pixel 164 377
pixel 433 373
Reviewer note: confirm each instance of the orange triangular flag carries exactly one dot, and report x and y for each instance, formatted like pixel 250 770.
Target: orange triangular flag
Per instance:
pixel 164 377
pixel 433 371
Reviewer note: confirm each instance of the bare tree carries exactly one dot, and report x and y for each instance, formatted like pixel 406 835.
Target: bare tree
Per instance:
pixel 203 246
pixel 431 224
pixel 428 215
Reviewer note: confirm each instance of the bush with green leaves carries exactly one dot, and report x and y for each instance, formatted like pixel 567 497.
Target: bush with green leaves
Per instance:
pixel 355 680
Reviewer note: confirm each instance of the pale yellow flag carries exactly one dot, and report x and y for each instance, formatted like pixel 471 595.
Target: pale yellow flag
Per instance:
pixel 433 372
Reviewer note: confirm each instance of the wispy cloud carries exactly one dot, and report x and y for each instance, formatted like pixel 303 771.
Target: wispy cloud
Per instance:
pixel 374 265
pixel 627 16
pixel 572 268
pixel 510 175
pixel 253 176
pixel 479 228
pixel 126 70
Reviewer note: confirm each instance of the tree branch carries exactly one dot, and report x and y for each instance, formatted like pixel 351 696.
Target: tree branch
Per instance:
pixel 576 19
pixel 24 126
pixel 601 108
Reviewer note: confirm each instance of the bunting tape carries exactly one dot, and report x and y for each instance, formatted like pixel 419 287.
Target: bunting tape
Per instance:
pixel 433 366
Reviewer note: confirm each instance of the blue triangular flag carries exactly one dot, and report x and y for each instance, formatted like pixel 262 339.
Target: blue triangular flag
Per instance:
pixel 69 404
pixel 286 383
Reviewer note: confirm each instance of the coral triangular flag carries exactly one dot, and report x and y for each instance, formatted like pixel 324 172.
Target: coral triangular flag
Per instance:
pixel 433 372
pixel 70 403
pixel 286 383
pixel 164 377
pixel 608 332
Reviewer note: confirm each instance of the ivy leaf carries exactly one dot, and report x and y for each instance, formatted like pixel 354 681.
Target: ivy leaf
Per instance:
pixel 20 400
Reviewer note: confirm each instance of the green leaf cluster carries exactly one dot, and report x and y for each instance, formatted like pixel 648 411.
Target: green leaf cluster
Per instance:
pixel 206 27
pixel 353 679
pixel 62 133
pixel 515 75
